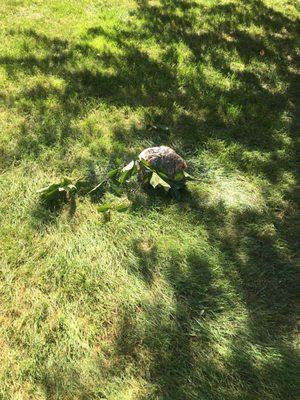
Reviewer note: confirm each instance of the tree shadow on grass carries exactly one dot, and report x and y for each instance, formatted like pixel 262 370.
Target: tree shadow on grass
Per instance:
pixel 168 337
pixel 264 250
pixel 259 266
pixel 248 112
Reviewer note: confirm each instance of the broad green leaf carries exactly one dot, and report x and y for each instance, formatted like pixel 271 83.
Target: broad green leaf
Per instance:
pixel 50 194
pixel 129 166
pixel 162 174
pixel 124 176
pixel 156 180
pixel 113 173
pixel 48 188
pixel 115 188
pixel 72 187
pixel 122 207
pixel 127 172
pixel 150 167
pixel 145 164
pixel 66 182
pixel 105 207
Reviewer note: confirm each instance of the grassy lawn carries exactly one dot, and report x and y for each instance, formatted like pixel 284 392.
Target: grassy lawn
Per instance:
pixel 173 300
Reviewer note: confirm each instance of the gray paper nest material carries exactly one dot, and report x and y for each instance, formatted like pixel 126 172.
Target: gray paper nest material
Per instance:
pixel 164 159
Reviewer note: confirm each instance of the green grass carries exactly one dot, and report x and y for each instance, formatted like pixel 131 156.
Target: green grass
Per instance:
pixel 189 300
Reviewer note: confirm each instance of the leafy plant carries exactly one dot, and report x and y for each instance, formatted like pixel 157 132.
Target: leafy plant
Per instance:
pixel 115 178
pixel 58 191
pixel 120 207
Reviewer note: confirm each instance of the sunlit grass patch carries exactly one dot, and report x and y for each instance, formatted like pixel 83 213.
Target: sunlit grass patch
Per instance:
pixel 237 192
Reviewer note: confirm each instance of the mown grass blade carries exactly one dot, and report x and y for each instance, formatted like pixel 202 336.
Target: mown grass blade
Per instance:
pixel 97 187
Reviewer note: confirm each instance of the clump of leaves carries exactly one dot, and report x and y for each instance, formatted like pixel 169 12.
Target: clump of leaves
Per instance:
pixel 107 208
pixel 114 181
pixel 157 178
pixel 58 192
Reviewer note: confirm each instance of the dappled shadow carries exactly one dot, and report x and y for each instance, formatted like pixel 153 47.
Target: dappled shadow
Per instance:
pixel 254 268
pixel 248 111
pixel 147 251
pixel 169 338
pixel 263 253
pixel 259 262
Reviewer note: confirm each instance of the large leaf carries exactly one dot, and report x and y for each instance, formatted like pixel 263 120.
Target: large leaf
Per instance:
pixel 49 188
pixel 129 166
pixel 49 193
pixel 113 173
pixel 72 188
pixel 145 164
pixel 115 188
pixel 122 207
pixel 105 207
pixel 162 174
pixel 156 181
pixel 127 172
pixel 57 191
